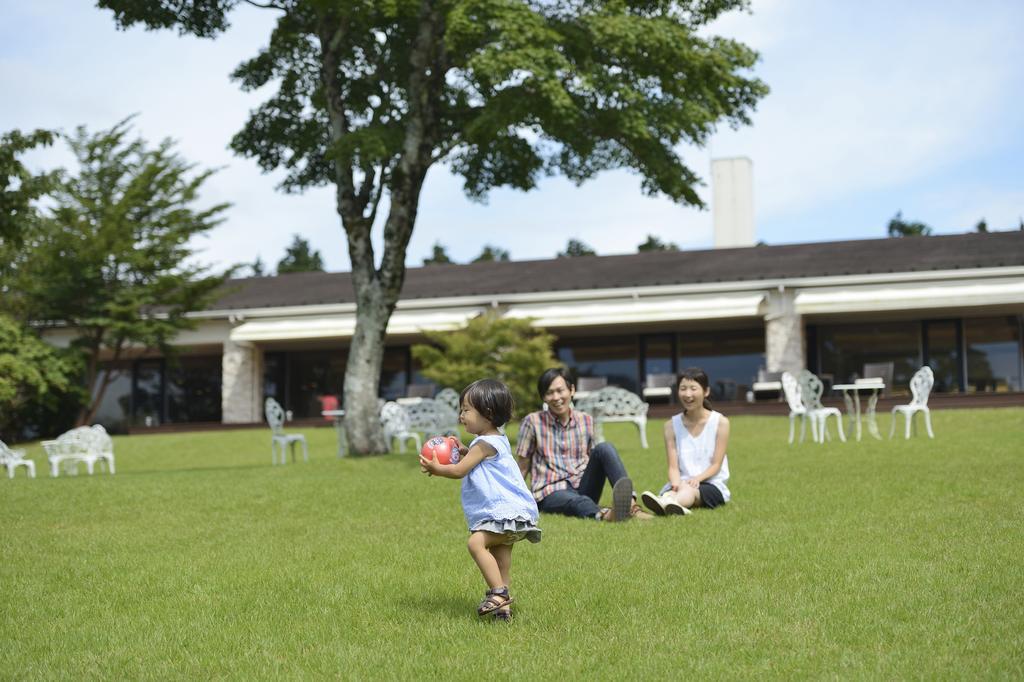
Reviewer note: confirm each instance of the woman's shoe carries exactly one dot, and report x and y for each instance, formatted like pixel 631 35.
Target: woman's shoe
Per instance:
pixel 672 506
pixel 653 502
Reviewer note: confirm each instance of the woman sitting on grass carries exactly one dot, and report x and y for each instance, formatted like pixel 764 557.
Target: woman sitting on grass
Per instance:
pixel 498 506
pixel 695 443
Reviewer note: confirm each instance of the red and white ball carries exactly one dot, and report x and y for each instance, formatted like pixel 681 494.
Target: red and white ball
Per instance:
pixel 445 448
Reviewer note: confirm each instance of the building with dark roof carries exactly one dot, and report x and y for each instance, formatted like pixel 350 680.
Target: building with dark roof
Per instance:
pixel 953 302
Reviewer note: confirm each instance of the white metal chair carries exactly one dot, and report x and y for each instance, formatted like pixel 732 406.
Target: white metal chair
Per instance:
pixel 279 440
pixel 614 404
pixel 448 397
pixel 84 444
pixel 791 389
pixel 12 459
pixel 920 388
pixel 397 424
pixel 879 371
pixel 811 389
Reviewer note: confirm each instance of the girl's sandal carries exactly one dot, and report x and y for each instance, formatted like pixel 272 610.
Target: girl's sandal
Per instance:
pixel 494 600
pixel 503 614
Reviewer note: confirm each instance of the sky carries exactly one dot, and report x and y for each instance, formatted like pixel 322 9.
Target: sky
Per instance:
pixel 875 107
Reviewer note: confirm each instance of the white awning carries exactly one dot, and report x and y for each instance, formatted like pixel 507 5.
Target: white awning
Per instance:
pixel 343 326
pixel 627 311
pixel 951 294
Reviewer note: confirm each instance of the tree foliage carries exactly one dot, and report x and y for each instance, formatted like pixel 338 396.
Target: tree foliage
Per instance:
pixel 576 248
pixel 19 187
pixel 33 374
pixel 438 256
pixel 655 244
pixel 111 260
pixel 300 257
pixel 902 228
pixel 492 254
pixel 509 350
pixel 368 96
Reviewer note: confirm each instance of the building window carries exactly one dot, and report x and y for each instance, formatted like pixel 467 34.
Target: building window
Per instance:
pixel 312 374
pixel 194 389
pixel 994 361
pixel 612 357
pixel 843 350
pixel 941 350
pixel 115 410
pixel 730 358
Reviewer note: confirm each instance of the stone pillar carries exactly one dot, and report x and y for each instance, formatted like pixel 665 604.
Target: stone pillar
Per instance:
pixel 241 396
pixel 784 346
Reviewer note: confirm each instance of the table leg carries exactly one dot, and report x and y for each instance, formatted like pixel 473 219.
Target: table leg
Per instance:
pixel 856 402
pixel 872 423
pixel 851 411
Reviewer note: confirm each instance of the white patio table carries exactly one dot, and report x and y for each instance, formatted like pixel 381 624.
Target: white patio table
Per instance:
pixel 339 426
pixel 851 395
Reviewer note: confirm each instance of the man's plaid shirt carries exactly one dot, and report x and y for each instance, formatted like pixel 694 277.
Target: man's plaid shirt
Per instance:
pixel 558 454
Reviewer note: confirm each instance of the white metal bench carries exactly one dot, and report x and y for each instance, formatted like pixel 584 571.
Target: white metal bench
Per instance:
pixel 614 404
pixel 433 418
pixel 85 444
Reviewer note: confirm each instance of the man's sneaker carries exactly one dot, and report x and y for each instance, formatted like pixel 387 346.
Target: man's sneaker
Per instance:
pixel 622 499
pixel 652 502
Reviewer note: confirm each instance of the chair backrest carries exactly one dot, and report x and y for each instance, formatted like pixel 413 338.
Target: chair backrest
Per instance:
pixel 591 383
pixel 791 389
pixel 394 418
pixel 660 381
pixel 432 416
pixel 275 414
pixel 6 454
pixel 449 397
pixel 811 389
pixel 921 385
pixel 420 390
pixel 612 401
pixel 764 375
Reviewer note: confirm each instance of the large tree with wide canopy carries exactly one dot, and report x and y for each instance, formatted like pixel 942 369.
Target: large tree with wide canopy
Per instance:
pixel 370 94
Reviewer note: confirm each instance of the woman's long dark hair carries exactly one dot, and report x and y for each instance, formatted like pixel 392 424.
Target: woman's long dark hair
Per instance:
pixel 698 375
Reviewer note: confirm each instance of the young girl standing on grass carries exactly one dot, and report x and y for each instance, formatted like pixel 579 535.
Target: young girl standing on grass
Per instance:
pixel 499 508
pixel 695 443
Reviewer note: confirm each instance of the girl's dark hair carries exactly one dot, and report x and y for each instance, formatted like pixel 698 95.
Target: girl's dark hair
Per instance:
pixel 698 375
pixel 491 398
pixel 544 383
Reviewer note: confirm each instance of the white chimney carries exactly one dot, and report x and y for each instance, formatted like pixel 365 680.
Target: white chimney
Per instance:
pixel 732 201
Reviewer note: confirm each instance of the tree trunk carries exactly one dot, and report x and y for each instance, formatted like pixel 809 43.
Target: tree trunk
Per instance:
pixel 377 290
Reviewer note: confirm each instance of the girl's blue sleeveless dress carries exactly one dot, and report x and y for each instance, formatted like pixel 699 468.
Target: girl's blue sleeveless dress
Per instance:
pixel 495 497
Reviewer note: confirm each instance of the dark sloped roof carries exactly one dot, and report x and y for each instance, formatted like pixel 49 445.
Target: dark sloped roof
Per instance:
pixel 857 257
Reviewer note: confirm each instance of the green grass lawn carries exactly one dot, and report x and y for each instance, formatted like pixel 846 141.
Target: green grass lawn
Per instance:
pixel 877 560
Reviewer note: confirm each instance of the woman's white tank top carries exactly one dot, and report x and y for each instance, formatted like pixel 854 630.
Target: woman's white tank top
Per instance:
pixel 695 453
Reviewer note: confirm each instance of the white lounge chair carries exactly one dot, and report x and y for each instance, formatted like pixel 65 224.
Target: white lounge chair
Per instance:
pixel 12 459
pixel 920 388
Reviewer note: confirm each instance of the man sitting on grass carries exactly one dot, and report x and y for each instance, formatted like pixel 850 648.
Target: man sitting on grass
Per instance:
pixel 567 469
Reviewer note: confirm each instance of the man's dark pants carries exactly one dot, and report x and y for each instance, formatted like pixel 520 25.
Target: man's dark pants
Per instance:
pixel 604 465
